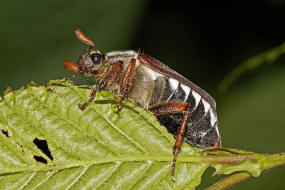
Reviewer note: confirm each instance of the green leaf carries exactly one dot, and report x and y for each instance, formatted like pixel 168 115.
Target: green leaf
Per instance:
pixel 95 148
pixel 47 142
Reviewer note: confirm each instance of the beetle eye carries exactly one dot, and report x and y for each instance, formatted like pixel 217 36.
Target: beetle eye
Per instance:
pixel 96 58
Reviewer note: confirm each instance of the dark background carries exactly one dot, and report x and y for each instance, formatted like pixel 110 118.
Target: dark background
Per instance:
pixel 202 40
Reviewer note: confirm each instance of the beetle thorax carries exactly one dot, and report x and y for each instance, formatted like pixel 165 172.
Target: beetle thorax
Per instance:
pixel 124 56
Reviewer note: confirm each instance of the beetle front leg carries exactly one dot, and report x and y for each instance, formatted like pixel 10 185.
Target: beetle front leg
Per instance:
pixel 126 82
pixel 94 90
pixel 113 73
pixel 173 108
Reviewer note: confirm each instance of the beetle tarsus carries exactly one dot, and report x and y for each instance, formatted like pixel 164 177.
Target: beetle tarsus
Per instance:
pixel 119 105
pixel 94 90
pixel 175 153
pixel 121 101
pixel 82 106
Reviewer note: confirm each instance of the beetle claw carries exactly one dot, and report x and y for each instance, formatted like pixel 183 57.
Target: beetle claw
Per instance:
pixel 173 178
pixel 118 106
pixel 81 106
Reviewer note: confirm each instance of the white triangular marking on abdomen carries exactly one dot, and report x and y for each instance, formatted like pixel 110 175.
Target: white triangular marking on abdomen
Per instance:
pixel 173 84
pixel 217 129
pixel 206 106
pixel 186 89
pixel 213 117
pixel 197 98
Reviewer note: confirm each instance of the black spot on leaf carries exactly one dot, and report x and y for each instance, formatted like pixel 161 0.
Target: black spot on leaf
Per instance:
pixel 4 132
pixel 40 159
pixel 43 146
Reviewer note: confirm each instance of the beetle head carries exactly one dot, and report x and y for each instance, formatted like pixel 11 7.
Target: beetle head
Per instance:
pixel 91 63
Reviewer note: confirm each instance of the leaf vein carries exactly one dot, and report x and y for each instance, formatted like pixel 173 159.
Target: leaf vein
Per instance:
pixel 79 176
pixel 27 182
pixel 111 174
pixel 142 175
pixel 44 180
pixel 116 128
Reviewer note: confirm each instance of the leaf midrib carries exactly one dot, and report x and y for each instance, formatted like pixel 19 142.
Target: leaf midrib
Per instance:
pixel 123 158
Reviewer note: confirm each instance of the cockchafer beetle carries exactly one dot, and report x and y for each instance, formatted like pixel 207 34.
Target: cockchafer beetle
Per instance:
pixel 187 111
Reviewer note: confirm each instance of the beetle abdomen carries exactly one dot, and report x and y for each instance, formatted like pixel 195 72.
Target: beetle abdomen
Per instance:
pixel 202 126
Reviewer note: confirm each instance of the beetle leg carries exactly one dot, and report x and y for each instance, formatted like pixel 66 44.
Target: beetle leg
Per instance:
pixel 126 82
pixel 94 89
pixel 172 108
pixel 113 73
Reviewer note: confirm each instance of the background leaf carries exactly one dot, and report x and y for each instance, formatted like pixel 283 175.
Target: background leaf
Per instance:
pixel 269 56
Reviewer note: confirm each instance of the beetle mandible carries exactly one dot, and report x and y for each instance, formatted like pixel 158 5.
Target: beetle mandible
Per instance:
pixel 187 111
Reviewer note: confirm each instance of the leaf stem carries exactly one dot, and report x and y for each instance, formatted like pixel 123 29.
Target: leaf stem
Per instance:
pixel 230 181
pixel 269 161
